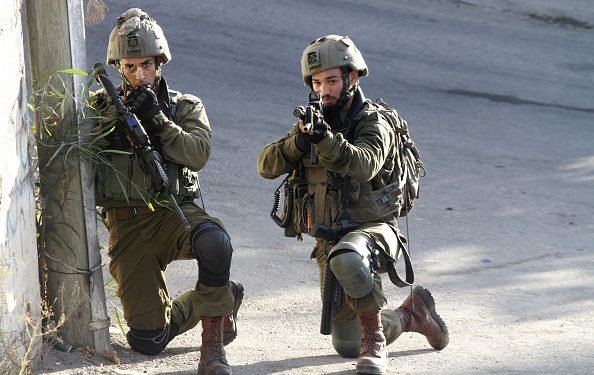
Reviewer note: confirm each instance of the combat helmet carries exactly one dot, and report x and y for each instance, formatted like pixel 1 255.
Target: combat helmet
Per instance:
pixel 136 35
pixel 331 51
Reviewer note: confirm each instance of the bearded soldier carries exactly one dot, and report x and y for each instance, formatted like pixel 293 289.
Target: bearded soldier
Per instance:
pixel 338 158
pixel 145 233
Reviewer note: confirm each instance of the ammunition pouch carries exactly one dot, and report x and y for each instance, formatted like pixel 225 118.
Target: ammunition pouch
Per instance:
pixel 302 211
pixel 184 182
pixel 387 201
pixel 295 208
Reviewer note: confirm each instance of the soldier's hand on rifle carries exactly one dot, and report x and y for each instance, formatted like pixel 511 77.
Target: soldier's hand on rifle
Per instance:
pixel 314 129
pixel 302 142
pixel 143 102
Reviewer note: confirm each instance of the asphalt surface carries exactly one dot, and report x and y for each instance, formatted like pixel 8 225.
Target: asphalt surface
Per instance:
pixel 499 99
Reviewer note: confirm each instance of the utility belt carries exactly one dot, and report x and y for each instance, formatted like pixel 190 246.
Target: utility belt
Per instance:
pixel 113 214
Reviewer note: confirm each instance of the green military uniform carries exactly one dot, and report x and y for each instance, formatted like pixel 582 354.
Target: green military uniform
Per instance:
pixel 347 195
pixel 369 160
pixel 145 232
pixel 143 241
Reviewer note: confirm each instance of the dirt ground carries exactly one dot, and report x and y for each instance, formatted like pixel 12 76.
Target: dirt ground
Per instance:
pixel 499 101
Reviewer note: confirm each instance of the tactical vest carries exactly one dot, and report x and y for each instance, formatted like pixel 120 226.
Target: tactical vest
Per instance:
pixel 120 182
pixel 370 201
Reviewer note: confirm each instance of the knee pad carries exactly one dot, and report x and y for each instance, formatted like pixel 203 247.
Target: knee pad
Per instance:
pixel 151 342
pixel 346 338
pixel 350 261
pixel 211 246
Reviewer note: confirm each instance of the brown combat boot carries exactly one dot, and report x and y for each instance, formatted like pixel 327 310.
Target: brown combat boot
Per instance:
pixel 230 322
pixel 373 356
pixel 212 352
pixel 417 314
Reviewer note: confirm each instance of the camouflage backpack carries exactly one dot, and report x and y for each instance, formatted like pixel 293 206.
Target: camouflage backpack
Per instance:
pixel 409 169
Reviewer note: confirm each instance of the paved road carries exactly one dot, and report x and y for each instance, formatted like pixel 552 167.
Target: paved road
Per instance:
pixel 500 101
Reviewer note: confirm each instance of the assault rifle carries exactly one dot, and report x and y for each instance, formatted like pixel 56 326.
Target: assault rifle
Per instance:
pixel 149 159
pixel 310 115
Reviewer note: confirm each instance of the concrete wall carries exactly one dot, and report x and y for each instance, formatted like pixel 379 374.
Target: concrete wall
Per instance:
pixel 19 281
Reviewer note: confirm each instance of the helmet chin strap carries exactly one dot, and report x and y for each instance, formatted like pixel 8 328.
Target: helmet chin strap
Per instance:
pixel 158 73
pixel 332 112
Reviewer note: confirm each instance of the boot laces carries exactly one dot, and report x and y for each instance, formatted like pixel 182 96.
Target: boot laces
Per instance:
pixel 372 345
pixel 214 343
pixel 372 342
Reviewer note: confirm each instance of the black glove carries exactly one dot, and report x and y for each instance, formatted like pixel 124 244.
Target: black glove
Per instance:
pixel 320 129
pixel 303 141
pixel 143 102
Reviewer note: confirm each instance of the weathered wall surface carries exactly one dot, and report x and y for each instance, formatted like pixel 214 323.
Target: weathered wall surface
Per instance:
pixel 19 281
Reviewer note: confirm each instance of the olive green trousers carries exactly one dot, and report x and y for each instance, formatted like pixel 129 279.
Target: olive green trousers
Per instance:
pixel 140 249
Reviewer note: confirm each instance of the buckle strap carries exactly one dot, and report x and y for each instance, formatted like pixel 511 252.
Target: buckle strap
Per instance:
pixel 409 272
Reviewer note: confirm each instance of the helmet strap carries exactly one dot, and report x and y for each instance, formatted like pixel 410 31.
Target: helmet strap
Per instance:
pixel 346 94
pixel 158 76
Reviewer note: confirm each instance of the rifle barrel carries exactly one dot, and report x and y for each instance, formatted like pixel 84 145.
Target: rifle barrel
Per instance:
pixel 101 75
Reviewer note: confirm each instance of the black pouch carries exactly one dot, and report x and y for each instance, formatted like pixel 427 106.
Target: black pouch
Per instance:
pixel 301 206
